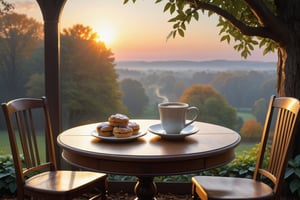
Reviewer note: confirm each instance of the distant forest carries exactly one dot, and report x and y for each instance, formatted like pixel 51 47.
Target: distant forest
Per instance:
pixel 240 82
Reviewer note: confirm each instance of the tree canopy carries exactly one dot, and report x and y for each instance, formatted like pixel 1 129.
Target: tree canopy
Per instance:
pixel 90 90
pixel 19 36
pixel 5 7
pixel 134 96
pixel 212 105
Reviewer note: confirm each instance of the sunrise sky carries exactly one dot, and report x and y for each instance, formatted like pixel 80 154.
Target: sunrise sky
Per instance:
pixel 139 31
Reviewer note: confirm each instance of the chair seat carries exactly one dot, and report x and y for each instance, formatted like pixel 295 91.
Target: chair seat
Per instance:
pixel 62 181
pixel 233 188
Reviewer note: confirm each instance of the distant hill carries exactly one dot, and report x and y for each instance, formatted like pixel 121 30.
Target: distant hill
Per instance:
pixel 211 65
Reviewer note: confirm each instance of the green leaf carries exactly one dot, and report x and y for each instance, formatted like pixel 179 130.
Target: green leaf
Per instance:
pixel 297 172
pixel 12 187
pixel 251 47
pixel 183 26
pixel 241 172
pixel 181 32
pixel 297 159
pixel 295 185
pixel 167 6
pixel 2 175
pixel 225 37
pixel 196 16
pixel 174 19
pixel 288 173
pixel 173 8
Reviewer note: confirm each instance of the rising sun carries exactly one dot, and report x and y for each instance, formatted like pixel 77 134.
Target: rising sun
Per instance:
pixel 106 34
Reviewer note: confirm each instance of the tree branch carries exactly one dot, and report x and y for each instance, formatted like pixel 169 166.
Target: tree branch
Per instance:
pixel 261 12
pixel 264 16
pixel 267 19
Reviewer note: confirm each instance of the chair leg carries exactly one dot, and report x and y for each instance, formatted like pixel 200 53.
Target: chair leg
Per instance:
pixel 98 196
pixel 194 194
pixel 104 191
pixel 101 192
pixel 198 191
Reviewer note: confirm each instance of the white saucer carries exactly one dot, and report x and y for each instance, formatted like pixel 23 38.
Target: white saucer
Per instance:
pixel 115 139
pixel 158 130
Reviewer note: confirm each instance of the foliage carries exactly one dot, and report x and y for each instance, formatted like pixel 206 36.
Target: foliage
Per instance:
pixel 7 175
pixel 212 105
pixel 236 21
pixel 259 109
pixel 251 86
pixel 90 90
pixel 5 7
pixel 251 129
pixel 242 166
pixel 19 36
pixel 240 88
pixel 81 32
pixel 292 175
pixel 35 80
pixel 134 96
pixel 121 178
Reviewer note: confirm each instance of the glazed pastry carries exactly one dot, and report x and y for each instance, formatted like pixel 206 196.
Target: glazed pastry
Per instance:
pixel 135 127
pixel 122 132
pixel 105 129
pixel 118 120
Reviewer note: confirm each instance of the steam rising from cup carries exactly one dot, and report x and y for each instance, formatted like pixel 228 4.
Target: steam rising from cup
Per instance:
pixel 164 98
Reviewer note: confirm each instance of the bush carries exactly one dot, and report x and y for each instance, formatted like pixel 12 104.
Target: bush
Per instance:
pixel 292 176
pixel 8 183
pixel 242 166
pixel 251 129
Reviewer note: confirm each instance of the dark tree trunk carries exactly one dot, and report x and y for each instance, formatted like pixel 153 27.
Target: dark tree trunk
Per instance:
pixel 288 76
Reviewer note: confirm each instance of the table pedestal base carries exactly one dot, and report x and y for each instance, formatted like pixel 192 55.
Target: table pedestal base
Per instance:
pixel 145 188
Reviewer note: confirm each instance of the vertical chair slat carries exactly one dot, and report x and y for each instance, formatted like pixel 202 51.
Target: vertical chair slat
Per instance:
pixel 34 139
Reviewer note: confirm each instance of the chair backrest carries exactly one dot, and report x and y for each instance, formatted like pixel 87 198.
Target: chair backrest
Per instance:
pixel 277 138
pixel 30 135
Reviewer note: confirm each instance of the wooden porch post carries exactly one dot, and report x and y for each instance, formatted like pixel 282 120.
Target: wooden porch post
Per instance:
pixel 51 11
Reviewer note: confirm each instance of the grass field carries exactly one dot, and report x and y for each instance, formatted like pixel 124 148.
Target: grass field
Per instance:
pixel 5 146
pixel 4 143
pixel 245 115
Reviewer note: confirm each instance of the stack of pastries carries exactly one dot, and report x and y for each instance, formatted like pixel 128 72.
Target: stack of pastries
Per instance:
pixel 118 125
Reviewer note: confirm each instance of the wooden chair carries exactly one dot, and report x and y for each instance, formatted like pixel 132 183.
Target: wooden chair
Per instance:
pixel 284 112
pixel 28 125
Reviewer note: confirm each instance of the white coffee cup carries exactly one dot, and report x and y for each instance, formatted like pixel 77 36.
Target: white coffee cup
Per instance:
pixel 173 116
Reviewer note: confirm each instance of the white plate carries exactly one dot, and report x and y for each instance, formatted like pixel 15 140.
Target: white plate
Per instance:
pixel 158 130
pixel 115 139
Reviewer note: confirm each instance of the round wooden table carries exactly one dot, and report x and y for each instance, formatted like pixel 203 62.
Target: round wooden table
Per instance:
pixel 150 155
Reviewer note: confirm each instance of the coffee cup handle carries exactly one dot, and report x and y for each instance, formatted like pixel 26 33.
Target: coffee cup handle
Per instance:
pixel 196 110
